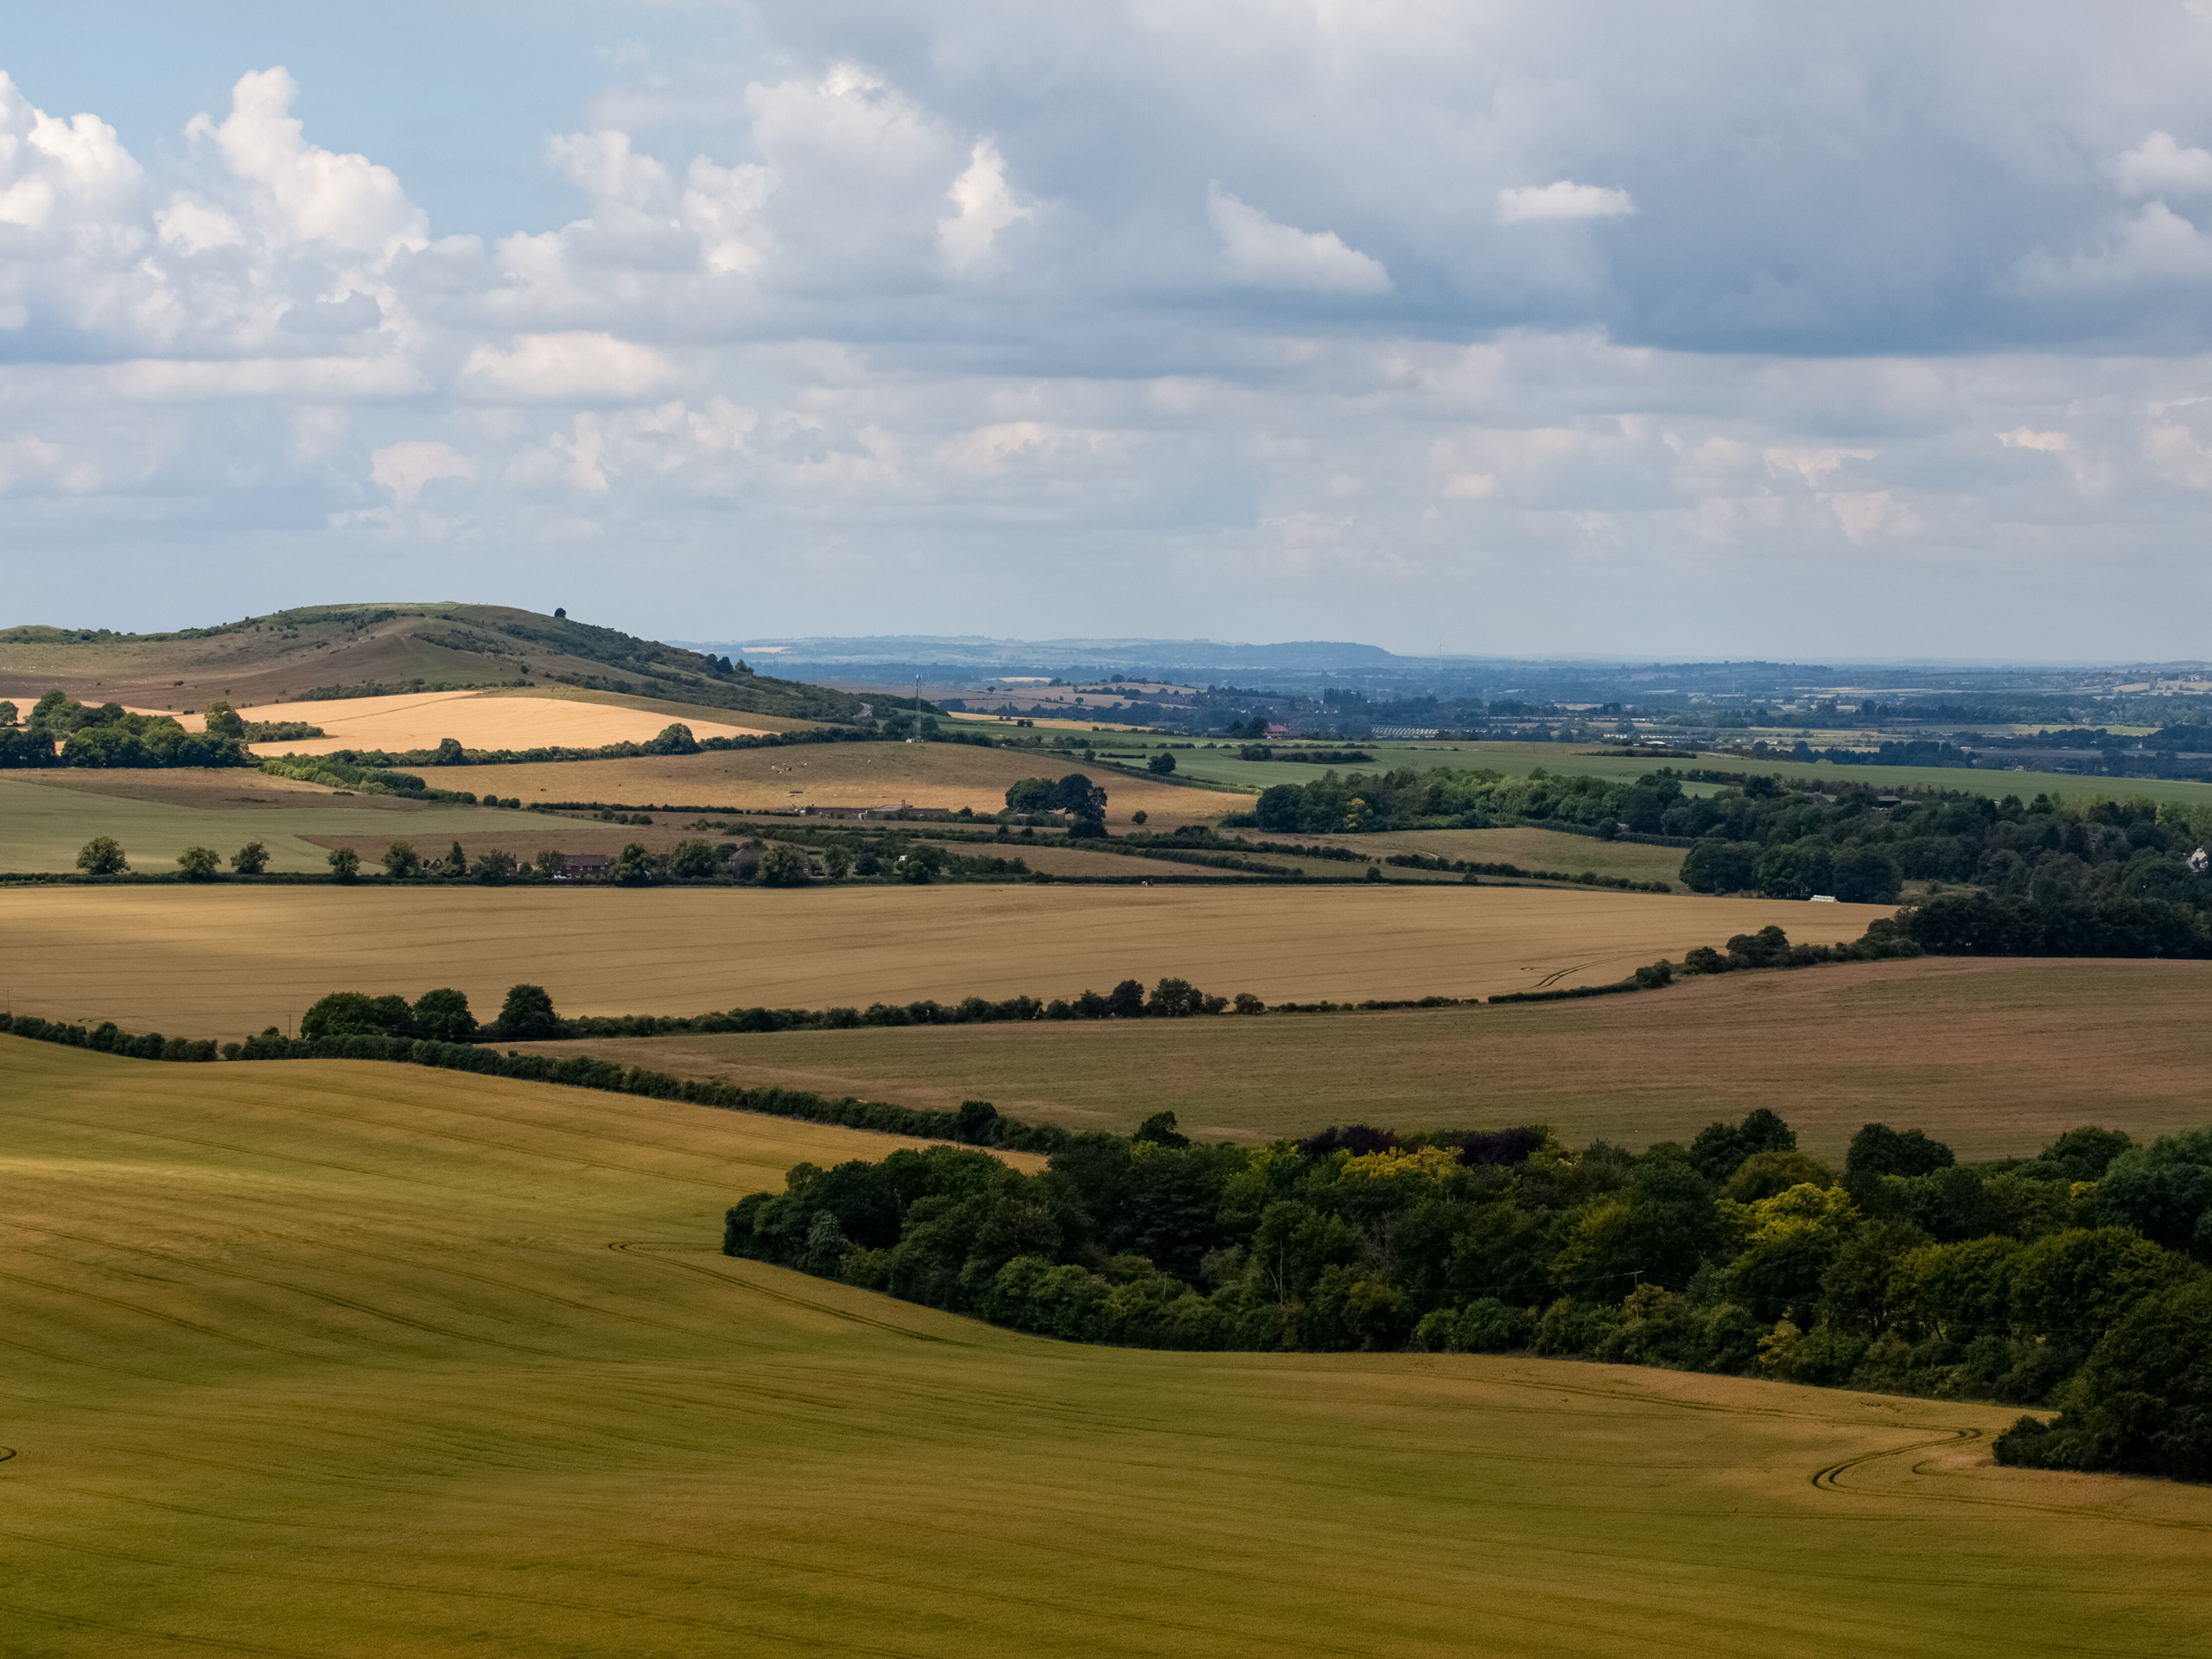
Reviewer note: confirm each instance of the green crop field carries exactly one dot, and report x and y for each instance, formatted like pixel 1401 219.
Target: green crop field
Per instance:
pixel 225 961
pixel 1518 759
pixel 44 823
pixel 1530 849
pixel 1993 1057
pixel 329 1360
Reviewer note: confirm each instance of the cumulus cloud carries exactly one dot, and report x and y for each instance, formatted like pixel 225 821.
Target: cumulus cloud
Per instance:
pixel 1562 198
pixel 1259 252
pixel 565 368
pixel 2160 166
pixel 405 469
pixel 984 205
pixel 2021 437
pixel 307 193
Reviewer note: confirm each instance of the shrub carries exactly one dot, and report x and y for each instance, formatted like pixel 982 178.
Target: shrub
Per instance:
pixel 200 863
pixel 1163 763
pixel 253 859
pixel 345 863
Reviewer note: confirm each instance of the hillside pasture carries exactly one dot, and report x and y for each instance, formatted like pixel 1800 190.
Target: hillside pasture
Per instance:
pixel 225 961
pixel 422 720
pixel 1994 1058
pixel 948 775
pixel 341 1361
pixel 46 818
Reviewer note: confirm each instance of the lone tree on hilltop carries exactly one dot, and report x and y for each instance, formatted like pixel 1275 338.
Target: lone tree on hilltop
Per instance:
pixel 102 855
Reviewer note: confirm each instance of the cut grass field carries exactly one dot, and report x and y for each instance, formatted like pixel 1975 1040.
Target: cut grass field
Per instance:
pixel 47 819
pixel 225 961
pixel 422 720
pixel 329 1360
pixel 1993 1057
pixel 950 775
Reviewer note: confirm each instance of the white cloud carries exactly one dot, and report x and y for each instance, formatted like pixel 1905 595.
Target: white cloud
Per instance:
pixel 2021 437
pixel 2158 166
pixel 989 448
pixel 566 367
pixel 195 228
pixel 1811 462
pixel 405 468
pixel 986 205
pixel 308 193
pixel 1259 252
pixel 1869 515
pixel 1562 200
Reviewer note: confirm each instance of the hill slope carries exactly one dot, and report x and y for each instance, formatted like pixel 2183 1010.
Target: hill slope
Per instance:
pixel 334 1360
pixel 322 649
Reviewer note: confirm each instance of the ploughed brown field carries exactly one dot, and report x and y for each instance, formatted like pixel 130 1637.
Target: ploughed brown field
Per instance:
pixel 224 960
pixel 356 1360
pixel 1994 1058
pixel 948 775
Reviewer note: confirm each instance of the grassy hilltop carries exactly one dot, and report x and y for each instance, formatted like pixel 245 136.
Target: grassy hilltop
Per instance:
pixel 334 1360
pixel 294 654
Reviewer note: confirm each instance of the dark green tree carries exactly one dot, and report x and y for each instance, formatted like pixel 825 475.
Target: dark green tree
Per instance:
pixel 781 865
pixel 527 1016
pixel 102 855
pixel 345 863
pixel 454 865
pixel 200 863
pixel 495 866
pixel 442 1016
pixel 352 1013
pixel 401 861
pixel 694 860
pixel 1163 763
pixel 253 859
pixel 633 868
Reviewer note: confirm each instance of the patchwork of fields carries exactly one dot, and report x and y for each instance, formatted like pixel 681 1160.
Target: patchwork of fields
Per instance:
pixel 226 961
pixel 1993 1057
pixel 336 1360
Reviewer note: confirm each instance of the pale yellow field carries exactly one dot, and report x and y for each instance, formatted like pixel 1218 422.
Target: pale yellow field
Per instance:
pixel 422 720
pixel 949 775
pixel 225 961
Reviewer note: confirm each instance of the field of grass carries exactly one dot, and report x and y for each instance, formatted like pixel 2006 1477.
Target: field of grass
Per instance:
pixel 1532 850
pixel 336 1361
pixel 1994 1058
pixel 44 823
pixel 224 960
pixel 422 720
pixel 1518 759
pixel 950 775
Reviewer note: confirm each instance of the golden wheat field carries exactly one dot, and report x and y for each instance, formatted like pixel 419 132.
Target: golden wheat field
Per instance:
pixel 1993 1057
pixel 221 961
pixel 348 1362
pixel 949 775
pixel 422 720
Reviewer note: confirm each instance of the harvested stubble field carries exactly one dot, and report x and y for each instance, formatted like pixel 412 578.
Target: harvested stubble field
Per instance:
pixel 476 720
pixel 331 1360
pixel 46 818
pixel 1994 1058
pixel 224 960
pixel 949 775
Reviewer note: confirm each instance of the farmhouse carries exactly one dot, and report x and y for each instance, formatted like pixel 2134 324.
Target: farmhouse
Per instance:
pixel 584 866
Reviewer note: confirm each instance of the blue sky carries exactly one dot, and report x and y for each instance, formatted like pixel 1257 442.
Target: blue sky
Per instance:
pixel 1718 329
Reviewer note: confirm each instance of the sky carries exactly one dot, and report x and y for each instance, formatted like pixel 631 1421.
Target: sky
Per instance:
pixel 1708 330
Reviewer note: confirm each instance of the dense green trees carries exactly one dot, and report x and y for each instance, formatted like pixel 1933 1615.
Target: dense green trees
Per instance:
pixel 2026 1281
pixel 441 1016
pixel 108 736
pixel 527 1016
pixel 1083 801
pixel 1162 763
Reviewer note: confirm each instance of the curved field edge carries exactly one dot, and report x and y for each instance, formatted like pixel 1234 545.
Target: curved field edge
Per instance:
pixel 1994 1058
pixel 330 1359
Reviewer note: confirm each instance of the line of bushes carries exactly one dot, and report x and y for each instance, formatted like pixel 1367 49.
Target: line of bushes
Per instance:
pixel 1472 868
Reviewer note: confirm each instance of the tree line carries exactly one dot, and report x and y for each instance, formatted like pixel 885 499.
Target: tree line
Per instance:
pixel 60 731
pixel 2075 1280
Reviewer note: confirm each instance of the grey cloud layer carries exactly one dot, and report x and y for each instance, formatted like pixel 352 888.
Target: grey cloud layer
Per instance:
pixel 1541 328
